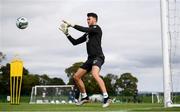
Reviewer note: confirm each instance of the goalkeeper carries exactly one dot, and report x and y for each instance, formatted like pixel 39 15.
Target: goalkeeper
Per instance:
pixel 92 36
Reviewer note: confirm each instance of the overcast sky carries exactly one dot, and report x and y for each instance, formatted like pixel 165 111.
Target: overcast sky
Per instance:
pixel 131 37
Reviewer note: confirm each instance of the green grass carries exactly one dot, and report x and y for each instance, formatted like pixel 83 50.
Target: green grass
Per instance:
pixel 91 107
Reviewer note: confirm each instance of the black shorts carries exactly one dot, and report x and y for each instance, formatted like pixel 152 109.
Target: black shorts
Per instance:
pixel 99 61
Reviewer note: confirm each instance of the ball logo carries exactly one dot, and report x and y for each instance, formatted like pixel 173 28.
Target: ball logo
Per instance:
pixel 94 26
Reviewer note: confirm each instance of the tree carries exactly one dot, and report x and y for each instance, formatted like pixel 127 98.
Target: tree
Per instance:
pixel 57 81
pixel 2 56
pixel 28 82
pixel 109 81
pixel 5 79
pixel 128 85
pixel 44 79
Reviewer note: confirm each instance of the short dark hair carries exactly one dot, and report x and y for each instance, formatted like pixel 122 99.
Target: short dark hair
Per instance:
pixel 93 15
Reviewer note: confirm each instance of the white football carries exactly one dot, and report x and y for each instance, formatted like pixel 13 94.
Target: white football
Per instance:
pixel 70 102
pixel 22 23
pixel 63 102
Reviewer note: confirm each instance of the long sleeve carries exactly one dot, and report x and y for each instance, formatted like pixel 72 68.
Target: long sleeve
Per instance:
pixel 77 41
pixel 93 28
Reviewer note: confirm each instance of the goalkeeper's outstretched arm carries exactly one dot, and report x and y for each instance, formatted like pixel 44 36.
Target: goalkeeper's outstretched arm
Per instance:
pixel 93 28
pixel 86 29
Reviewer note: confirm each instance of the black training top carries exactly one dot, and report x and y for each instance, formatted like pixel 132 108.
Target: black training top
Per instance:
pixel 92 36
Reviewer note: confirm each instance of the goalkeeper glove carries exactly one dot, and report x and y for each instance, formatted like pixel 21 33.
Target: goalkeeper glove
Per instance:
pixel 64 28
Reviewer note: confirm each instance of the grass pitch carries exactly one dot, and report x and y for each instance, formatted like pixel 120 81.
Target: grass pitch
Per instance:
pixel 91 107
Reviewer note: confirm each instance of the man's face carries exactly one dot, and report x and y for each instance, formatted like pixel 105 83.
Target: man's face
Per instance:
pixel 91 21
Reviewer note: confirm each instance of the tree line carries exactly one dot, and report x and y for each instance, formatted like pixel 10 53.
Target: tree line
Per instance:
pixel 124 84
